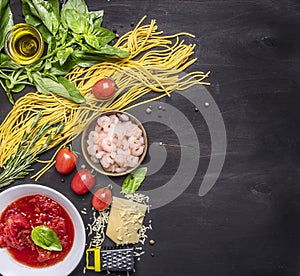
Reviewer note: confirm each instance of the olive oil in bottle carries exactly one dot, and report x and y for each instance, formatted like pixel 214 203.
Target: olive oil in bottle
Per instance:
pixel 24 44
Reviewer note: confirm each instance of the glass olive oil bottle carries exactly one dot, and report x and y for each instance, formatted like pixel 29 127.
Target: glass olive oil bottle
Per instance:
pixel 24 43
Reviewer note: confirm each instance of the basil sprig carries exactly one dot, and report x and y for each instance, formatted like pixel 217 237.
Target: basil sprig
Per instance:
pixel 133 181
pixel 46 238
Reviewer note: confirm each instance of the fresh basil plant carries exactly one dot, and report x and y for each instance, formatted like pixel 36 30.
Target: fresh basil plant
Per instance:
pixel 73 36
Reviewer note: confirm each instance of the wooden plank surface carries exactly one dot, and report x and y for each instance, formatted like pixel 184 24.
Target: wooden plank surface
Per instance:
pixel 248 223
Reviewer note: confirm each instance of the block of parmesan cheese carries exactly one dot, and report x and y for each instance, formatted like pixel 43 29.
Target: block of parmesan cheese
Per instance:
pixel 125 220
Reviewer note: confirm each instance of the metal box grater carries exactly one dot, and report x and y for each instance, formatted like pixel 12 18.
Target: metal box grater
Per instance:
pixel 111 259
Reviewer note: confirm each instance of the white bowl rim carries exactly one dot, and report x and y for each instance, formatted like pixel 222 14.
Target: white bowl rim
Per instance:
pixel 10 267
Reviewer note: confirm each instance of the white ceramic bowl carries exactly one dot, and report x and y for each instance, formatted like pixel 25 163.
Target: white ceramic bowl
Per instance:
pixel 10 267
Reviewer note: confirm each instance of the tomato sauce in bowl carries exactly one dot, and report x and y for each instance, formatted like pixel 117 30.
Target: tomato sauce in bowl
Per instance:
pixel 21 216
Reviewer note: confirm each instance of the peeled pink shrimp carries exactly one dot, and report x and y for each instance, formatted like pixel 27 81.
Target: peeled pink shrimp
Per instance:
pixel 132 161
pixel 112 168
pixel 114 119
pixel 123 152
pixel 109 127
pixel 123 117
pixel 120 170
pixel 137 150
pixel 133 130
pixel 92 149
pixel 106 161
pixel 102 119
pixel 121 160
pixel 119 132
pixel 108 145
pixel 93 136
pixel 134 141
pixel 99 154
pixel 124 144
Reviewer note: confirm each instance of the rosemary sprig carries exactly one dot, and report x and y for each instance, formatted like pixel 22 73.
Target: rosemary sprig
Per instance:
pixel 19 164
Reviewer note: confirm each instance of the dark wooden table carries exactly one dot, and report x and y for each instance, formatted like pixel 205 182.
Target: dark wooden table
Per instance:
pixel 248 223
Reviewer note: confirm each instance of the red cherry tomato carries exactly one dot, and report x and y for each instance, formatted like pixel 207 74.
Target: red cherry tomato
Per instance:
pixel 66 161
pixel 102 199
pixel 83 181
pixel 103 89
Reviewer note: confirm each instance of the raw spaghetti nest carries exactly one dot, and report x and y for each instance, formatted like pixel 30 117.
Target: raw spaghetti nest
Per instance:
pixel 151 72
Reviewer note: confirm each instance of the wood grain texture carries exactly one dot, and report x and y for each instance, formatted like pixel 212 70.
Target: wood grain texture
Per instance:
pixel 248 224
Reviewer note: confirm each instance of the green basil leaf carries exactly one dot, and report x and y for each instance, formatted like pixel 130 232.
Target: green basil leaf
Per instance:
pixel 96 17
pixel 92 41
pixel 88 58
pixel 35 66
pixel 33 21
pixel 32 17
pixel 18 88
pixel 85 59
pixel 46 11
pixel 46 238
pixel 63 55
pixel 6 62
pixel 76 21
pixel 78 5
pixel 62 70
pixel 29 11
pixel 72 90
pixel 30 14
pixel 52 44
pixel 46 34
pixel 6 20
pixel 55 5
pixel 133 181
pixel 61 87
pixel 99 38
pixel 7 82
pixel 64 35
pixel 8 94
pixel 72 10
pixel 48 65
pixel 112 52
pixel 3 58
pixel 43 85
pixel 104 35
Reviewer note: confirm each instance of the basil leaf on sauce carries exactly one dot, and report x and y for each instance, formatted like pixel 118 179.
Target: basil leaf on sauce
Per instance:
pixel 46 238
pixel 133 181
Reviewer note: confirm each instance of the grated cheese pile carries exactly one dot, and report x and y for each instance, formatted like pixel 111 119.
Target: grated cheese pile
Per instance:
pixel 138 197
pixel 97 228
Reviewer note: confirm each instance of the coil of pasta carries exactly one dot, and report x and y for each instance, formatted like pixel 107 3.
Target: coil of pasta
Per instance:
pixel 151 72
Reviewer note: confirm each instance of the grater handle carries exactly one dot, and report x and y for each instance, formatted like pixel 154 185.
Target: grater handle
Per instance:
pixel 97 261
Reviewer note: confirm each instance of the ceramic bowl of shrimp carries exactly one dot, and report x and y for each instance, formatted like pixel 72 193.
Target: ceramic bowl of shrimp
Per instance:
pixel 114 143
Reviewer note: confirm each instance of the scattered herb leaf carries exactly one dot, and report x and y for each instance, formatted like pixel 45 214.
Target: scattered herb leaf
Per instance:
pixel 134 180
